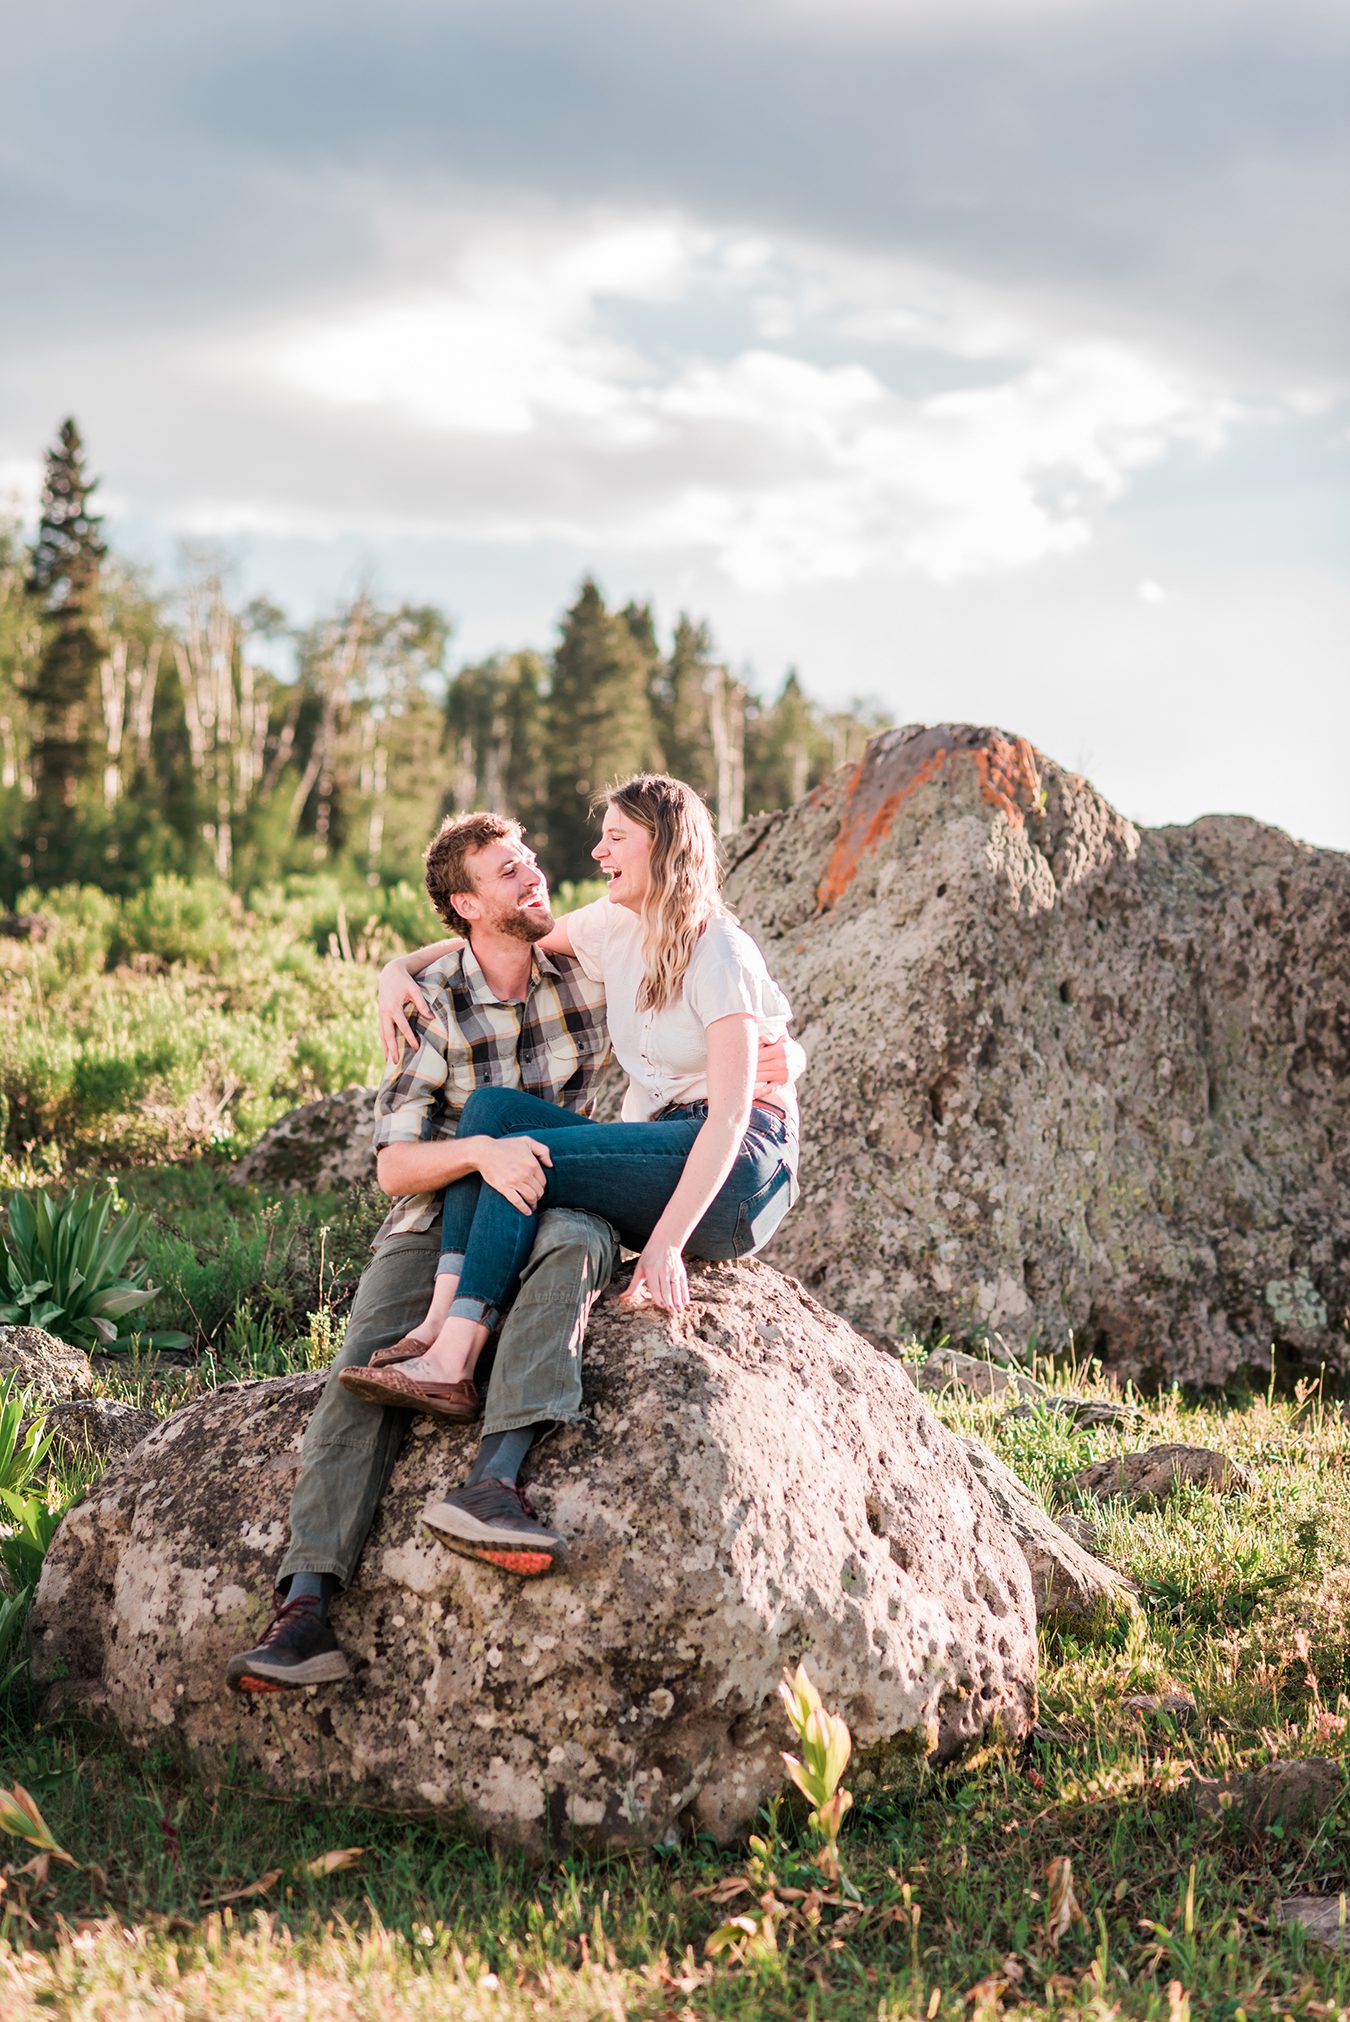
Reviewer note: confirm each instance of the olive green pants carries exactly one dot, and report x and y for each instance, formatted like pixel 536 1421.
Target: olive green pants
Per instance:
pixel 350 1447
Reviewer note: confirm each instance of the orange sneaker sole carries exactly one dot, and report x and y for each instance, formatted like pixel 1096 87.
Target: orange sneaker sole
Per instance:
pixel 259 1685
pixel 528 1564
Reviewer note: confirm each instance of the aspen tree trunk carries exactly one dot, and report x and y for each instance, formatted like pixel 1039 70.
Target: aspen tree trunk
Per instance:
pixel 726 720
pixel 141 683
pixel 112 683
pixel 206 664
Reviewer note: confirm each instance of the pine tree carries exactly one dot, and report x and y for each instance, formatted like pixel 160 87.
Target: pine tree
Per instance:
pixel 599 724
pixel 683 707
pixel 784 749
pixel 494 714
pixel 63 697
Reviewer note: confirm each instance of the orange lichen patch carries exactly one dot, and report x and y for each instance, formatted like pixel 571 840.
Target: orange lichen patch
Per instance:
pixel 898 762
pixel 1009 775
pixel 888 772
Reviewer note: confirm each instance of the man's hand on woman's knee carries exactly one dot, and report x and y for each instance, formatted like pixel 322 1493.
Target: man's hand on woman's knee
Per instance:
pixel 514 1168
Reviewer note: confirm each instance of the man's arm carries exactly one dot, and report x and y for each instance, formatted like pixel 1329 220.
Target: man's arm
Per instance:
pixel 512 1166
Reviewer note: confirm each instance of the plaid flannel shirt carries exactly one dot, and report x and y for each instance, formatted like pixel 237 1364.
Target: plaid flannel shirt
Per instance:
pixel 554 1045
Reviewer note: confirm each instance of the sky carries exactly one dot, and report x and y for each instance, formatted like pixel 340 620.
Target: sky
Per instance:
pixel 986 358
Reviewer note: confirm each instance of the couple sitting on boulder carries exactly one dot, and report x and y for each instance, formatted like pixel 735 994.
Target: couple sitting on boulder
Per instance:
pixel 511 1201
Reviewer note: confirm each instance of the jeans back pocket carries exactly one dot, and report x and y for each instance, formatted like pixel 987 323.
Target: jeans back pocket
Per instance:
pixel 760 1214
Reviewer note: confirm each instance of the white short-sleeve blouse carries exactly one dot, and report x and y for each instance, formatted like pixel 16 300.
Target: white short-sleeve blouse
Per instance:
pixel 665 1053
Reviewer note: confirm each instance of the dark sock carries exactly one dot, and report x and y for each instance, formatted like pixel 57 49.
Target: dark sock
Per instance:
pixel 502 1454
pixel 317 1587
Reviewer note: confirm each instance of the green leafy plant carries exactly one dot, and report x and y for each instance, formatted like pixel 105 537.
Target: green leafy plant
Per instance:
pixel 22 1450
pixel 13 1614
pixel 826 1745
pixel 22 1552
pixel 786 1891
pixel 20 1816
pixel 65 1267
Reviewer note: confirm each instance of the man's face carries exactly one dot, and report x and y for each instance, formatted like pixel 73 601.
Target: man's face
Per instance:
pixel 510 893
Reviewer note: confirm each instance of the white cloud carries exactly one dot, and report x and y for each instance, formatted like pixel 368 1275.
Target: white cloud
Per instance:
pixel 777 460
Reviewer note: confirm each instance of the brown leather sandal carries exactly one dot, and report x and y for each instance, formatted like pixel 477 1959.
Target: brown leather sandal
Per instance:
pixel 458 1401
pixel 401 1351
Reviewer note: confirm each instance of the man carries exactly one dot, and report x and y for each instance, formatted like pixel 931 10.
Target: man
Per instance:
pixel 503 1013
pixel 500 1012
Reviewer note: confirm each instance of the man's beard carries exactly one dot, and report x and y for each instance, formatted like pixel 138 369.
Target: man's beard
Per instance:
pixel 519 925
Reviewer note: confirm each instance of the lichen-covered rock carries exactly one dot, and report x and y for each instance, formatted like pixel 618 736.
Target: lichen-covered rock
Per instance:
pixel 1068 1583
pixel 1148 1478
pixel 1065 1074
pixel 102 1426
pixel 46 1368
pixel 759 1485
pixel 326 1145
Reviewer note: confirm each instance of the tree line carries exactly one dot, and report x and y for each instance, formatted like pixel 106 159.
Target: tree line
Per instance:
pixel 144 731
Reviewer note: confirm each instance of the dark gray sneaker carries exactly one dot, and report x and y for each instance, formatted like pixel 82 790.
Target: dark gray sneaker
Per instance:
pixel 491 1520
pixel 296 1648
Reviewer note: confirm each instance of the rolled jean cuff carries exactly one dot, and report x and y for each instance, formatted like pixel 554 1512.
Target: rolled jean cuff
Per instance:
pixel 481 1311
pixel 450 1264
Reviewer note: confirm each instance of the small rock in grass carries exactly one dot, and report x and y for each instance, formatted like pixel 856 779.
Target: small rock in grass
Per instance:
pixel 46 1368
pixel 1079 1529
pixel 1082 1412
pixel 949 1369
pixel 1323 1916
pixel 99 1425
pixel 1177 1706
pixel 1147 1479
pixel 1066 1581
pixel 1297 1793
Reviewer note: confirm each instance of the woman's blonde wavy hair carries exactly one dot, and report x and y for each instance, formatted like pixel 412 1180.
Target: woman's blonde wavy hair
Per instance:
pixel 683 894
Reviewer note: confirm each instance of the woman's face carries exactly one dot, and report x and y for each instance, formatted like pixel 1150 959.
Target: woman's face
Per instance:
pixel 624 855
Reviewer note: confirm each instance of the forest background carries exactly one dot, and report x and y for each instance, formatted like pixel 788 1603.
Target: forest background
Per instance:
pixel 147 733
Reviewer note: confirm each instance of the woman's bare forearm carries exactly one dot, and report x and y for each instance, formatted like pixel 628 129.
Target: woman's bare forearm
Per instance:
pixel 711 1157
pixel 732 1044
pixel 422 958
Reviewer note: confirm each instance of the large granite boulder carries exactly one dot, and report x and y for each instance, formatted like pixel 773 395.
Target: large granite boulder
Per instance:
pixel 759 1485
pixel 1067 1075
pixel 316 1149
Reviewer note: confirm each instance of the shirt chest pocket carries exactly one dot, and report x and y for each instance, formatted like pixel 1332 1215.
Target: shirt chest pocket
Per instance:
pixel 568 1051
pixel 464 1073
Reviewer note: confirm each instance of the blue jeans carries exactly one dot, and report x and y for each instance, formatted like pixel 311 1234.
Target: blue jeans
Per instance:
pixel 626 1172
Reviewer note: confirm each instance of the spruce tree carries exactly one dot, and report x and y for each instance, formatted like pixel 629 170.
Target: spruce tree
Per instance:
pixel 63 580
pixel 783 749
pixel 599 724
pixel 684 707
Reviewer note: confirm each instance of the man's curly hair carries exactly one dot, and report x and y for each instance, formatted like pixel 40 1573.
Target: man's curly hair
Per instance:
pixel 458 838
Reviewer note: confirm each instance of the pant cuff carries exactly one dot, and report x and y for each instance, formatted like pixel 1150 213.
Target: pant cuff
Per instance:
pixel 307 1563
pixel 481 1311
pixel 451 1264
pixel 516 1421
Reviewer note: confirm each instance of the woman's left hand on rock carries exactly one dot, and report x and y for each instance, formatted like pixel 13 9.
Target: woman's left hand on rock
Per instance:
pixel 660 1279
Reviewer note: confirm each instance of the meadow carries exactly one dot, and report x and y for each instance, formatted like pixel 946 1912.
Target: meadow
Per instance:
pixel 146 1043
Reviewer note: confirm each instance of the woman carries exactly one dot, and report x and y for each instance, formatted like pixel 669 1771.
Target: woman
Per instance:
pixel 696 1165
